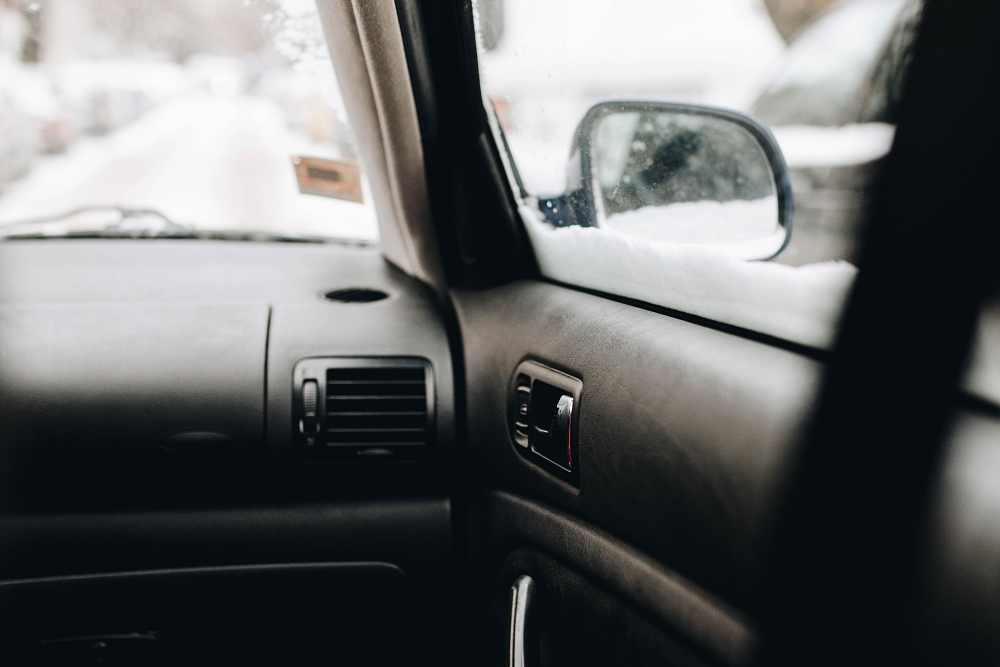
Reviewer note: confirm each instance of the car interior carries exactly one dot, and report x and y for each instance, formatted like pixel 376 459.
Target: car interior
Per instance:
pixel 428 451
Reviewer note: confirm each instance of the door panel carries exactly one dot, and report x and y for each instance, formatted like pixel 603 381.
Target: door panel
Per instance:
pixel 644 587
pixel 571 621
pixel 684 431
pixel 956 620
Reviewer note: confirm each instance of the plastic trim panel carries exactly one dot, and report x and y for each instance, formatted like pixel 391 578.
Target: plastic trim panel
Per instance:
pixel 670 598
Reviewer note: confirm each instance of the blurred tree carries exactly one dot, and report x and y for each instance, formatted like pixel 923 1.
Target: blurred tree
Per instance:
pixel 30 45
pixel 491 22
pixel 14 29
pixel 790 16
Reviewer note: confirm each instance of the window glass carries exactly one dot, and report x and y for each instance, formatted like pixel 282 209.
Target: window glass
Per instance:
pixel 153 117
pixel 682 209
pixel 824 71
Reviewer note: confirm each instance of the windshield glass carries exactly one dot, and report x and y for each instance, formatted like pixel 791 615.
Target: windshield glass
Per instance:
pixel 166 115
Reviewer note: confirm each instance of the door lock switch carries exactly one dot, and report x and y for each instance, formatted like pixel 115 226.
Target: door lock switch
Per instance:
pixel 522 411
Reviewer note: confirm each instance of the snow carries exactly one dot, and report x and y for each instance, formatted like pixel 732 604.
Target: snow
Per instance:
pixel 79 80
pixel 26 90
pixel 207 139
pixel 798 304
pixel 204 161
pixel 741 229
pixel 700 221
pixel 813 146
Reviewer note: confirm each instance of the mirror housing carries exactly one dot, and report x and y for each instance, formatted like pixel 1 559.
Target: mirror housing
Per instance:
pixel 723 168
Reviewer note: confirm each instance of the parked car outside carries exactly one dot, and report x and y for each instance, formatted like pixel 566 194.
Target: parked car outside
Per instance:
pixel 832 107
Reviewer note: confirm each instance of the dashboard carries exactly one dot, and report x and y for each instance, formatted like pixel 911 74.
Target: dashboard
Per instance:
pixel 139 365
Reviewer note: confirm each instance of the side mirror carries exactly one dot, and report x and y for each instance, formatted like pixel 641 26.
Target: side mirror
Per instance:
pixel 678 174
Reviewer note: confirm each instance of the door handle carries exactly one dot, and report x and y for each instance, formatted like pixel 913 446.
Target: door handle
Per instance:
pixel 544 423
pixel 521 599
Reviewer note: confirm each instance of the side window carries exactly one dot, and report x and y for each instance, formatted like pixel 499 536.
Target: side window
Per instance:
pixel 684 154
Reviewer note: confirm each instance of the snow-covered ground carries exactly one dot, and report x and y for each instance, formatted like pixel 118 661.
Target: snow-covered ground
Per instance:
pixel 742 229
pixel 201 126
pixel 700 221
pixel 203 160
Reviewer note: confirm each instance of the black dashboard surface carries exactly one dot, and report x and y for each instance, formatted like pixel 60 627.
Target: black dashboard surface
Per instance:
pixel 111 350
pixel 56 271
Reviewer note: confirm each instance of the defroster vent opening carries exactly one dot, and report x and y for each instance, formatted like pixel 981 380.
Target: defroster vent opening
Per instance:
pixel 356 295
pixel 371 409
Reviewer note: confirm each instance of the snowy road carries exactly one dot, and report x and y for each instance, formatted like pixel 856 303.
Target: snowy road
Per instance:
pixel 202 161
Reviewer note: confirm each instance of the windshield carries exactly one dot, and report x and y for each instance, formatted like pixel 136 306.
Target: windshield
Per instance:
pixel 213 115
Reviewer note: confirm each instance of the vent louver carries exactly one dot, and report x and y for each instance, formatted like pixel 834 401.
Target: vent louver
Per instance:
pixel 371 409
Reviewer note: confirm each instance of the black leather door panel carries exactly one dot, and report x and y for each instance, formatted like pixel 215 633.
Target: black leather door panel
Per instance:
pixel 684 431
pixel 675 606
pixel 579 624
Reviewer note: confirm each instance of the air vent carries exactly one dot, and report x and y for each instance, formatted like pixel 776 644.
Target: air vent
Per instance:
pixel 356 295
pixel 370 409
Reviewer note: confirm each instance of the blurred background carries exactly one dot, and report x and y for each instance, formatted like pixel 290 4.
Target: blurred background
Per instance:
pixel 190 107
pixel 195 108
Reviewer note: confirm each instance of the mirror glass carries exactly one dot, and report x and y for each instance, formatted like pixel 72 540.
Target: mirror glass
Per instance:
pixel 685 178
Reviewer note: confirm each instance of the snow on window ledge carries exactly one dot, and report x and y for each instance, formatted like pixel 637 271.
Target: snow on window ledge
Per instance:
pixel 798 304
